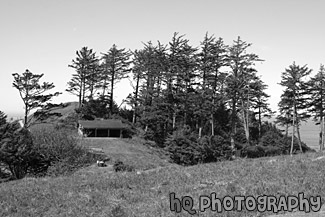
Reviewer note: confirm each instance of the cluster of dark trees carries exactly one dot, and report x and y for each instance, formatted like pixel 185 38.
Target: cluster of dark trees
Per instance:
pixel 177 85
pixel 210 90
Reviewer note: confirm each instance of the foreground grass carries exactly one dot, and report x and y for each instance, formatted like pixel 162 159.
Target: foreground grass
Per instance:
pixel 95 191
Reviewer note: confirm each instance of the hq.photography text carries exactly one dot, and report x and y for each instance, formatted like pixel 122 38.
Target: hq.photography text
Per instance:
pixel 239 203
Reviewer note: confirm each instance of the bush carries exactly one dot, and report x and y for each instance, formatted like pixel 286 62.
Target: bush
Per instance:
pixel 186 149
pixel 119 166
pixel 253 151
pixel 18 152
pixel 215 148
pixel 63 152
pixel 275 143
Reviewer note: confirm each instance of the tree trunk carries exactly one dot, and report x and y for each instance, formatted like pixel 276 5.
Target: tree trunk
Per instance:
pixel 245 120
pixel 174 120
pixel 111 96
pixel 321 130
pixel 212 125
pixel 136 99
pixel 323 133
pixel 247 117
pixel 293 131
pixel 299 139
pixel 200 132
pixel 83 90
pixel 259 123
pixel 233 125
pixel 80 95
pixel 26 116
pixel 298 131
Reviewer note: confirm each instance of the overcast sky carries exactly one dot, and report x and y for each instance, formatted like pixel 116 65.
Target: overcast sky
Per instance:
pixel 43 36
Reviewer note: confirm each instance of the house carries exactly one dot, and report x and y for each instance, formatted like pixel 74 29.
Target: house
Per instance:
pixel 101 128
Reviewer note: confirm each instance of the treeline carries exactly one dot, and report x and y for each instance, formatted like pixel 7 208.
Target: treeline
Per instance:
pixel 178 85
pixel 212 91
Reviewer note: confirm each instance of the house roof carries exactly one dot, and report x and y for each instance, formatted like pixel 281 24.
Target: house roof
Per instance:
pixel 102 124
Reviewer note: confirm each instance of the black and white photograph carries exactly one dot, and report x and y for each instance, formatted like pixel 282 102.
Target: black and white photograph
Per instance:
pixel 143 108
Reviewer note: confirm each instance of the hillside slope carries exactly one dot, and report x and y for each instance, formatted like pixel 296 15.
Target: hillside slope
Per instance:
pixel 62 111
pixel 99 191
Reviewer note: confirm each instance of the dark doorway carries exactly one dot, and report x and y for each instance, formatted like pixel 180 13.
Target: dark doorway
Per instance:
pixel 102 132
pixel 114 133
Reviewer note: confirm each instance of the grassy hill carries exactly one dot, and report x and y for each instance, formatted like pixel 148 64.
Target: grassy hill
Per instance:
pixel 63 111
pixel 100 191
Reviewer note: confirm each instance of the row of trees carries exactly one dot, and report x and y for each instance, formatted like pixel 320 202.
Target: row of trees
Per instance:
pixel 178 85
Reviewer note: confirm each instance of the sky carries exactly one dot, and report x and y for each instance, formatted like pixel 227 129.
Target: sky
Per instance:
pixel 43 36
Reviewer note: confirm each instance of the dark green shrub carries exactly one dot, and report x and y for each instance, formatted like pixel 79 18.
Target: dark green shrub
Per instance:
pixel 63 151
pixel 18 152
pixel 275 143
pixel 183 147
pixel 119 166
pixel 273 150
pixel 214 148
pixel 253 151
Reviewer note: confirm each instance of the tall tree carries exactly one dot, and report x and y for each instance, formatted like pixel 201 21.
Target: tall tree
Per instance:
pixel 238 81
pixel 212 58
pixel 316 86
pixel 293 79
pixel 116 67
pixel 86 66
pixel 180 75
pixel 259 102
pixel 32 92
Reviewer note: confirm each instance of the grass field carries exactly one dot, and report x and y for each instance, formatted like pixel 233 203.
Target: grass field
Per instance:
pixel 99 191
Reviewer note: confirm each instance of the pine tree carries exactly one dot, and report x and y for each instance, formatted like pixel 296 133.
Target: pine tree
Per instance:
pixel 238 82
pixel 259 102
pixel 316 86
pixel 83 82
pixel 295 96
pixel 211 59
pixel 116 67
pixel 32 92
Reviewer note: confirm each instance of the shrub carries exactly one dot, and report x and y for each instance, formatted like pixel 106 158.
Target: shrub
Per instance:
pixel 63 151
pixel 17 150
pixel 183 147
pixel 119 166
pixel 215 148
pixel 186 149
pixel 252 151
pixel 275 143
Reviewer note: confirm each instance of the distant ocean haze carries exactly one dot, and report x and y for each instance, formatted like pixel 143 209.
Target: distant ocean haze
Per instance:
pixel 309 133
